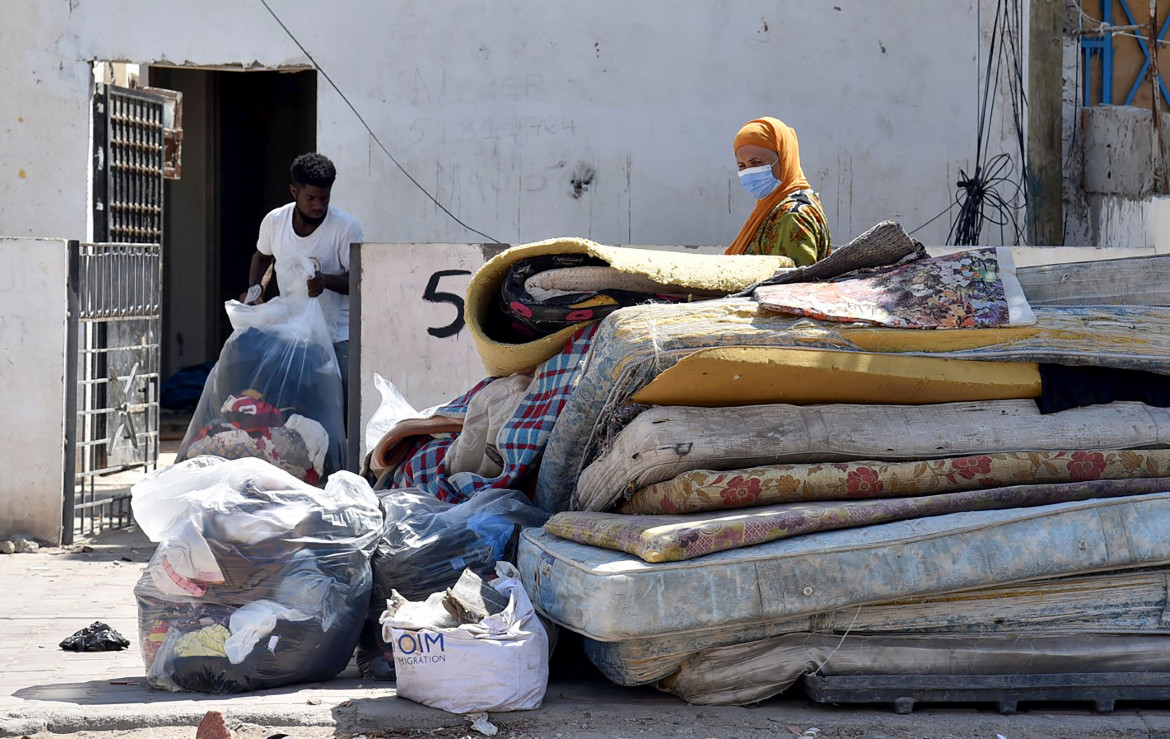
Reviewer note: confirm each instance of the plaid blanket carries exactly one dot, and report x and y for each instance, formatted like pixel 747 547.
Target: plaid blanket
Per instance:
pixel 522 439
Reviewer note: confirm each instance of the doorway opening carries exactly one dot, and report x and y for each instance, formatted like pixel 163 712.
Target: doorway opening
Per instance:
pixel 241 131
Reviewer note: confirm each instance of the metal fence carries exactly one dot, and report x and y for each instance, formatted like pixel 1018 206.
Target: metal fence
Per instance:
pixel 116 301
pixel 117 289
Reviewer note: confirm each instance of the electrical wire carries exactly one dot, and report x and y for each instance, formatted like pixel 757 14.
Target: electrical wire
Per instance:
pixel 991 194
pixel 373 135
pixel 941 213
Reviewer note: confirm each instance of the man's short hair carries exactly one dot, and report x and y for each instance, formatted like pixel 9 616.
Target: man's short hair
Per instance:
pixel 313 169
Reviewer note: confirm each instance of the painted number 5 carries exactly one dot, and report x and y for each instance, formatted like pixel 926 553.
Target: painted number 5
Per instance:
pixel 432 295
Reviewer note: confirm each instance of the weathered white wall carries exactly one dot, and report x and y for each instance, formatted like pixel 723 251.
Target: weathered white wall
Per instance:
pixel 33 312
pixel 395 319
pixel 496 107
pixel 44 123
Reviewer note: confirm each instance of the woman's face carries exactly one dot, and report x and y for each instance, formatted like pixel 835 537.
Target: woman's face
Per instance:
pixel 751 155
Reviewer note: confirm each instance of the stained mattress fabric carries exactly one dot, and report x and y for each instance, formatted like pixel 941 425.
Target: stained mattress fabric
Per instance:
pixel 676 538
pixel 1125 603
pixel 748 673
pixel 742 376
pixel 715 490
pixel 612 596
pixel 634 345
pixel 975 288
pixel 663 442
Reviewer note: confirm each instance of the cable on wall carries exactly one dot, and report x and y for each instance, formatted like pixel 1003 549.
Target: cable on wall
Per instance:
pixel 373 135
pixel 994 192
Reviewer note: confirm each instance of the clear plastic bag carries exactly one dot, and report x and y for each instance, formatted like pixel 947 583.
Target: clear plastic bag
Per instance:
pixel 275 393
pixel 428 543
pixel 393 408
pixel 259 579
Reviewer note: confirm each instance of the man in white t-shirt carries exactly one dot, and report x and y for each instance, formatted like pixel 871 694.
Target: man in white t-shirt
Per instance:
pixel 309 227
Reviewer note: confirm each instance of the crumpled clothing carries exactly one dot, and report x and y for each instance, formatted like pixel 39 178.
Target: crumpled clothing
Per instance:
pixel 187 564
pixel 206 642
pixel 282 446
pixel 249 412
pixel 521 441
pixel 315 438
pixel 265 376
pixel 253 622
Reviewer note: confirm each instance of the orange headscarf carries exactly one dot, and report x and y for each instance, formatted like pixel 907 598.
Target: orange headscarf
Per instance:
pixel 769 133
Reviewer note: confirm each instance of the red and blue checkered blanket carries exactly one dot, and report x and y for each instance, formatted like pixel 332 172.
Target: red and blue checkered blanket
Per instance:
pixel 522 439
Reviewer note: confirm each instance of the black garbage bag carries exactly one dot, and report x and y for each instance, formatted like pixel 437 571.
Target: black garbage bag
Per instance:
pixel 259 580
pixel 426 546
pixel 97 637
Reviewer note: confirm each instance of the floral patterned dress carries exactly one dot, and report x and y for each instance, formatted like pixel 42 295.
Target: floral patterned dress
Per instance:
pixel 796 229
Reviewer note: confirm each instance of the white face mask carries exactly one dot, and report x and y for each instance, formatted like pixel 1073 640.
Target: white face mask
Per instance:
pixel 759 181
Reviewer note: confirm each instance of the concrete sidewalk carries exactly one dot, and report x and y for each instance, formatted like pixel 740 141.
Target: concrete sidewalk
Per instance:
pixel 51 594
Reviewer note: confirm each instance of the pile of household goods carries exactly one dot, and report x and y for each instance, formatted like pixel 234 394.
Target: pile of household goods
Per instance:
pixel 884 463
pixel 261 579
pixel 275 393
pixel 428 548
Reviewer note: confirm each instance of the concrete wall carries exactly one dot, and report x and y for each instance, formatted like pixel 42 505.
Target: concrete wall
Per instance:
pixel 44 123
pixel 1118 156
pixel 498 109
pixel 1109 151
pixel 33 312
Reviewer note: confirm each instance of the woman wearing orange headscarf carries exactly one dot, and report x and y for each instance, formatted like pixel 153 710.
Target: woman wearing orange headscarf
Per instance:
pixel 788 219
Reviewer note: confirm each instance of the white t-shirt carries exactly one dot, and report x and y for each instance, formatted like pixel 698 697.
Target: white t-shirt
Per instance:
pixel 328 245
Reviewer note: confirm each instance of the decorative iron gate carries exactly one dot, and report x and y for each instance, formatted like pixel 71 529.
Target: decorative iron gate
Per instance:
pixel 117 284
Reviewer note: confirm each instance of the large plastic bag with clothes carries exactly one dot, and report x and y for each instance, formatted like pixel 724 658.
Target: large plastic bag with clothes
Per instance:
pixel 461 653
pixel 275 393
pixel 259 579
pixel 426 546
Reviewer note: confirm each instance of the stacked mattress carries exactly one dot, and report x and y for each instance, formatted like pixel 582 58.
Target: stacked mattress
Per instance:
pixel 746 496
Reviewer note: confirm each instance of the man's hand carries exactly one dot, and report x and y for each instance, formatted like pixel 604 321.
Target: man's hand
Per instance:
pixel 316 284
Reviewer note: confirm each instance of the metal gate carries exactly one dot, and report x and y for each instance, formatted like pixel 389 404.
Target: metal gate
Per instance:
pixel 117 285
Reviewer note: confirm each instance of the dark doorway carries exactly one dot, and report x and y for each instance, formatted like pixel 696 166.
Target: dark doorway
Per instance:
pixel 241 130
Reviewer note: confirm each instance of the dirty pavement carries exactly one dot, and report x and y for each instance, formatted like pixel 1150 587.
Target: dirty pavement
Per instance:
pixel 48 693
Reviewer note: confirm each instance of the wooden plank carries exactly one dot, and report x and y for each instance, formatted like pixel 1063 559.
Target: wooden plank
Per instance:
pixel 1045 220
pixel 1130 281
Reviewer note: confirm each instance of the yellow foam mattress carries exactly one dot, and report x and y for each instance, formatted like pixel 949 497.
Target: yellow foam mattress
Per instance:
pixel 731 376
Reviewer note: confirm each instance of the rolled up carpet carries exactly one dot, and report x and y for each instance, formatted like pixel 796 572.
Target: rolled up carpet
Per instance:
pixel 718 272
